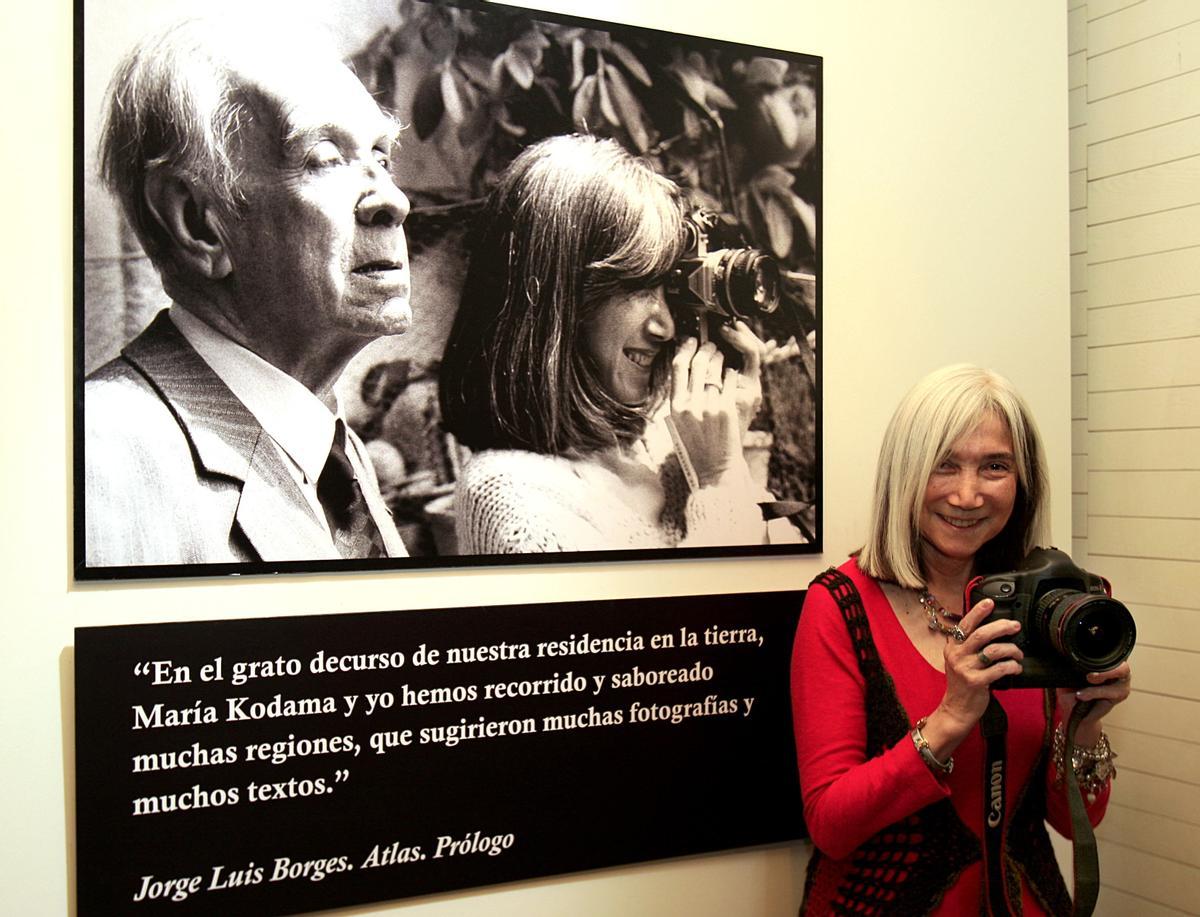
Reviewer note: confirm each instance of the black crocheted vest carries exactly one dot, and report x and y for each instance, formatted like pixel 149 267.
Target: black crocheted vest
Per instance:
pixel 907 867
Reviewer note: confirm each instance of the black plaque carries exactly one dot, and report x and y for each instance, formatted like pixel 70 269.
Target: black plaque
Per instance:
pixel 617 739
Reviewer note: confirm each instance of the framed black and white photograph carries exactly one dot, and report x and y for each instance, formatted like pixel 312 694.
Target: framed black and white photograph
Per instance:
pixel 432 284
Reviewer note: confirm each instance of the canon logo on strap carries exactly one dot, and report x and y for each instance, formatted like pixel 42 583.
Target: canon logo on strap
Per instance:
pixel 996 810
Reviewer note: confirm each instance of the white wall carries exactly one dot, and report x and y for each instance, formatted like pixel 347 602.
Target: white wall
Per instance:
pixel 946 235
pixel 1135 242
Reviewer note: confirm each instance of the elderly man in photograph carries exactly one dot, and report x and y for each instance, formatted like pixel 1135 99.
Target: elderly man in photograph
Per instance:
pixel 254 169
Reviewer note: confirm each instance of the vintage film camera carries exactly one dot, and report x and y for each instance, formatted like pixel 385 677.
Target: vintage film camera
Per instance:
pixel 1070 624
pixel 719 279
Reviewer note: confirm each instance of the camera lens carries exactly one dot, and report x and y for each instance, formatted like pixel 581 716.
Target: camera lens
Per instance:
pixel 752 281
pixel 1093 631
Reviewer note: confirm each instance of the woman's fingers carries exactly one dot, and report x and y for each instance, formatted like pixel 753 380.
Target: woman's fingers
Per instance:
pixel 681 368
pixel 985 655
pixel 708 369
pixel 1112 686
pixel 743 339
pixel 998 652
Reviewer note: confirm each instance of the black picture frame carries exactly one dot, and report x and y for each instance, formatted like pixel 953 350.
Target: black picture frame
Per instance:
pixel 796 459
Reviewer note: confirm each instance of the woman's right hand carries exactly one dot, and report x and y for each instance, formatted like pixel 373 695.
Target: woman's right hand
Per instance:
pixel 704 410
pixel 972 667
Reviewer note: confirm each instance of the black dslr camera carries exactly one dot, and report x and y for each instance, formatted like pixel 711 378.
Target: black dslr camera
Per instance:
pixel 1070 624
pixel 718 279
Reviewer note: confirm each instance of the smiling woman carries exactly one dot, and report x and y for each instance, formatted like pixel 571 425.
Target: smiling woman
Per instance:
pixel 593 429
pixel 892 674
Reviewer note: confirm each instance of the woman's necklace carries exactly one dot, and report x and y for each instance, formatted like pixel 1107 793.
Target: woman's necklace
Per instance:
pixel 935 613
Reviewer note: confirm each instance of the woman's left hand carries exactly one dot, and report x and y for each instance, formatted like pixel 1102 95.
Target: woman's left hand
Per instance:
pixel 748 379
pixel 1107 689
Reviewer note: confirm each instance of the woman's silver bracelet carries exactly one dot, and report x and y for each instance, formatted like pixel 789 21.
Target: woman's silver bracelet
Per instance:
pixel 1093 766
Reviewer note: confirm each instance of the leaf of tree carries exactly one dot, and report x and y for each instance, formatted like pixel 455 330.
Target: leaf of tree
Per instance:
pixel 427 107
pixel 692 82
pixel 550 88
pixel 766 72
pixel 508 125
pixel 779 226
pixel 774 178
pixel 576 63
pixel 477 123
pixel 452 100
pixel 585 100
pixel 606 105
pixel 439 36
pixel 632 64
pixel 497 74
pixel 629 108
pixel 475 71
pixel 519 67
pixel 716 97
pixel 777 107
pixel 808 217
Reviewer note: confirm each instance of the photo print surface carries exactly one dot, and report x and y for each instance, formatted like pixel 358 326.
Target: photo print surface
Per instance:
pixel 455 284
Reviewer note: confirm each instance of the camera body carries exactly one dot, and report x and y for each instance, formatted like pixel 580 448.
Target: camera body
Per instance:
pixel 1070 624
pixel 719 278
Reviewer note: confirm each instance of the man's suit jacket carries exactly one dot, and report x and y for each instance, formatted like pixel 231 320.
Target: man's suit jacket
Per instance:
pixel 178 471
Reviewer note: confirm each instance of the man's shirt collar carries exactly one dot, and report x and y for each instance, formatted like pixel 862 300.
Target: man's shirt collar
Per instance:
pixel 292 416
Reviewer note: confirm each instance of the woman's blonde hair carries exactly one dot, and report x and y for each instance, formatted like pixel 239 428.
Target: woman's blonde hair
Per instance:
pixel 937 412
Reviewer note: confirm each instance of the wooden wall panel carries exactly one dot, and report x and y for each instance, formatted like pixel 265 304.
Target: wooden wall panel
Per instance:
pixel 1095 9
pixel 1173 758
pixel 1079 437
pixel 1079 474
pixel 1079 313
pixel 1170 838
pixel 1134 323
pixel 1147 878
pixel 1135 352
pixel 1157 796
pixel 1162 715
pixel 1148 107
pixel 1164 143
pixel 1116 903
pixel 1145 190
pixel 1154 364
pixel 1077 64
pixel 1079 516
pixel 1144 450
pixel 1169 628
pixel 1147 581
pixel 1079 397
pixel 1077 29
pixel 1170 539
pixel 1140 63
pixel 1077 185
pixel 1176 228
pixel 1144 408
pixel 1077 103
pixel 1168 494
pixel 1135 22
pixel 1166 670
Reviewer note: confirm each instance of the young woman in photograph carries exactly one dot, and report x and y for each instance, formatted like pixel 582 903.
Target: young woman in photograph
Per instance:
pixel 892 674
pixel 590 428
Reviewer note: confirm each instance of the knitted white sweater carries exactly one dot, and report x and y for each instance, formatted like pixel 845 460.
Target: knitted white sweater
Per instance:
pixel 512 501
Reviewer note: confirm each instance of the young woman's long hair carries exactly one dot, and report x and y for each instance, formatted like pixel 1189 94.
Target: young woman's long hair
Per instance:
pixel 572 221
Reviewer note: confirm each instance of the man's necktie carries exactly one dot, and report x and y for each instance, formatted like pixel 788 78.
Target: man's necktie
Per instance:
pixel 354 532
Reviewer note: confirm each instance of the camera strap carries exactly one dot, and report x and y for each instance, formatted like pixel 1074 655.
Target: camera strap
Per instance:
pixel 1086 859
pixel 994 726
